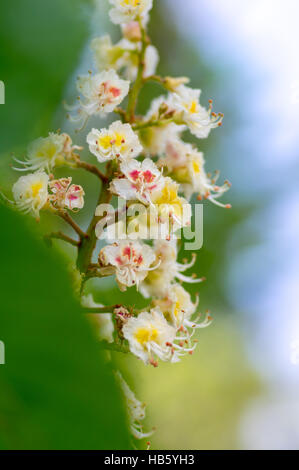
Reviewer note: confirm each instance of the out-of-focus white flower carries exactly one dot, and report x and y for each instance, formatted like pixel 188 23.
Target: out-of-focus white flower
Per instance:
pixel 175 157
pixel 154 139
pixel 186 165
pixel 130 261
pixel 101 93
pixel 31 192
pixel 66 195
pixel 136 409
pixel 201 183
pixel 45 153
pixel 159 282
pixel 119 141
pixel 178 308
pixel 151 60
pixel 111 56
pixel 177 305
pixel 199 119
pixel 124 56
pixel 102 321
pixel 140 181
pixel 125 11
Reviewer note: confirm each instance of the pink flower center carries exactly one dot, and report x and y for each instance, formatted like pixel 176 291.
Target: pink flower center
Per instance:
pixel 115 92
pixel 135 175
pixel 148 176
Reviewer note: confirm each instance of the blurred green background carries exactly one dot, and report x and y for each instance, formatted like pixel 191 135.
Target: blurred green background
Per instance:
pixel 196 404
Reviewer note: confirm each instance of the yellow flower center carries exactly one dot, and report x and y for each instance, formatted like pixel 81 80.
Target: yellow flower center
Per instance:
pixel 170 197
pixel 105 142
pixel 119 139
pixel 132 3
pixel 154 276
pixel 145 335
pixel 196 167
pixel 108 140
pixel 35 189
pixel 47 150
pixel 193 107
pixel 177 309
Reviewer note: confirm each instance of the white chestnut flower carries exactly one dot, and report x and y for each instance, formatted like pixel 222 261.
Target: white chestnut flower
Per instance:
pixel 113 56
pixel 199 119
pixel 101 92
pixel 135 409
pixel 102 322
pixel 45 153
pixel 119 141
pixel 162 216
pixel 175 157
pixel 31 192
pixel 202 184
pixel 66 195
pixel 154 139
pixel 159 282
pixel 170 207
pixel 140 180
pixel 123 56
pixel 129 261
pixel 125 11
pixel 177 305
pixel 178 308
pixel 150 336
pixel 187 166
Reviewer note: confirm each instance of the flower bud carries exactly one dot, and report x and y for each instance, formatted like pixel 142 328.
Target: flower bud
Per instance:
pixel 131 31
pixel 172 83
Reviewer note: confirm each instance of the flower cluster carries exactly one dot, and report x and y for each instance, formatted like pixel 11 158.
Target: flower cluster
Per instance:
pixel 36 191
pixel 154 171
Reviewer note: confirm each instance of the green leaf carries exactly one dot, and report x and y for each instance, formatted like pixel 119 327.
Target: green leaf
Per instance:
pixel 41 43
pixel 57 390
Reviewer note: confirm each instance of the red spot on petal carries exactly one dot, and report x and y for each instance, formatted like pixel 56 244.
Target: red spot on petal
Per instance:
pixel 134 174
pixel 148 176
pixel 127 251
pixel 115 92
pixel 139 259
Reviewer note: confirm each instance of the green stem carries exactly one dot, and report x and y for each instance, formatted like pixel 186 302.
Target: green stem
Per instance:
pixel 144 125
pixel 65 216
pixel 157 79
pixel 106 309
pixel 62 236
pixel 91 168
pixel 88 244
pixel 121 112
pixel 133 96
